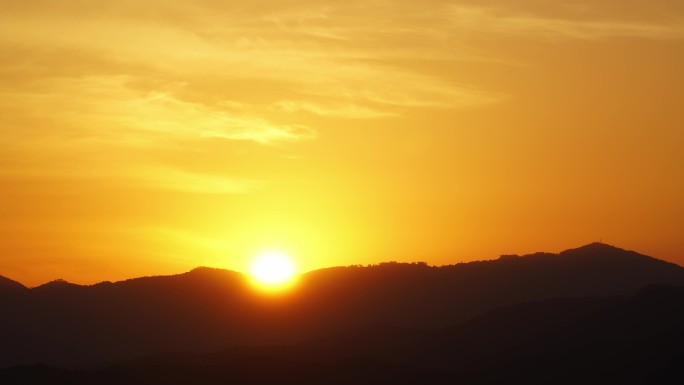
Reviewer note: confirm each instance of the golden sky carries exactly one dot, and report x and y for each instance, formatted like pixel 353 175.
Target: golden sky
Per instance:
pixel 151 137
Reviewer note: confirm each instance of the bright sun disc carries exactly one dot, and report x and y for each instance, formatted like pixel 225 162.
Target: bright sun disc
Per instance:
pixel 272 268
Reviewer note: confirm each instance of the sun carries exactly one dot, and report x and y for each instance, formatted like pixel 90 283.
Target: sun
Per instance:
pixel 272 269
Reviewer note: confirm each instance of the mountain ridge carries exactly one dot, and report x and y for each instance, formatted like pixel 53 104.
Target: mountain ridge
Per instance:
pixel 209 309
pixel 581 251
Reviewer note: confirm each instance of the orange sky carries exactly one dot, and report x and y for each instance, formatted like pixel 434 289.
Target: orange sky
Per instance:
pixel 152 137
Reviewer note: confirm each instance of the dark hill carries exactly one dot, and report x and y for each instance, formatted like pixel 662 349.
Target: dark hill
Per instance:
pixel 210 309
pixel 632 340
pixel 415 295
pixel 7 285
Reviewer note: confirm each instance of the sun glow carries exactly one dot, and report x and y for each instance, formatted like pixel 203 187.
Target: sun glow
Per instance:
pixel 273 269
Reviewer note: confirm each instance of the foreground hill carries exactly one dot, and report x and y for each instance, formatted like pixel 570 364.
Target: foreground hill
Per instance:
pixel 633 340
pixel 8 286
pixel 209 309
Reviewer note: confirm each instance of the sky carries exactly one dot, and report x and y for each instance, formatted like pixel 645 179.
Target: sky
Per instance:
pixel 144 138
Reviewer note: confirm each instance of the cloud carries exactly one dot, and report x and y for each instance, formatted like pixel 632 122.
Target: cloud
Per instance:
pixel 94 77
pixel 166 178
pixel 510 22
pixel 351 111
pixel 293 53
pixel 111 109
pixel 103 174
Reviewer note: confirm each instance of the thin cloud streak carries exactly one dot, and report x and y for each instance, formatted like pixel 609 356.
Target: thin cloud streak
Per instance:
pixel 509 23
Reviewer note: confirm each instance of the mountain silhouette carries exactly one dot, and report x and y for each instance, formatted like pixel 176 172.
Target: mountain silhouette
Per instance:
pixel 211 309
pixel 619 340
pixel 8 285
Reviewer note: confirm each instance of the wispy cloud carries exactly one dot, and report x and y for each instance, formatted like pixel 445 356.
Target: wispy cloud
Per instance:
pixel 106 175
pixel 110 108
pixel 167 178
pixel 170 73
pixel 351 111
pixel 313 49
pixel 511 22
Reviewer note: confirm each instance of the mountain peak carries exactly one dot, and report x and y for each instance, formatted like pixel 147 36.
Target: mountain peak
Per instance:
pixel 597 246
pixel 204 272
pixel 207 270
pixel 598 249
pixel 56 284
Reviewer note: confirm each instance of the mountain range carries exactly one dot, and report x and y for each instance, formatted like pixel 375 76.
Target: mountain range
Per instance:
pixel 519 314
